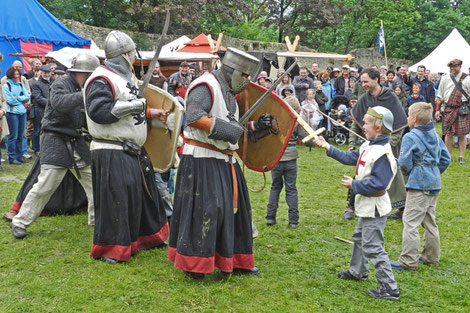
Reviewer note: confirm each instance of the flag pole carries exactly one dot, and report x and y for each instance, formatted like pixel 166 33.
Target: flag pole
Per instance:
pixel 385 45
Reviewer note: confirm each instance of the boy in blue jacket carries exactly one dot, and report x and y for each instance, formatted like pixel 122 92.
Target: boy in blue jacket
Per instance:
pixel 375 169
pixel 423 157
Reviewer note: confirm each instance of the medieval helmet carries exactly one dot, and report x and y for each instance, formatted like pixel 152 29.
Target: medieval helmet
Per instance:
pixel 84 63
pixel 239 63
pixel 118 43
pixel 384 114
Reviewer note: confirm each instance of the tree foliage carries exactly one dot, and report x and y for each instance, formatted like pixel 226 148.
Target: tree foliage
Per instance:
pixel 412 27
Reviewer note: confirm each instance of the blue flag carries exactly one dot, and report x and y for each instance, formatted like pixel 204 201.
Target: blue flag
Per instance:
pixel 381 39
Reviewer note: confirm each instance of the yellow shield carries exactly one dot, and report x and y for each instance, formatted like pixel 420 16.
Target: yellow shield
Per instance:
pixel 161 143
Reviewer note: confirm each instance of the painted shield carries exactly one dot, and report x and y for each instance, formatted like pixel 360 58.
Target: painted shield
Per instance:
pixel 263 155
pixel 162 142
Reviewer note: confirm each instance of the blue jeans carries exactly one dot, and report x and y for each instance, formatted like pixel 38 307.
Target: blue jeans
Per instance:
pixel 15 141
pixel 285 173
pixel 169 178
pixel 36 130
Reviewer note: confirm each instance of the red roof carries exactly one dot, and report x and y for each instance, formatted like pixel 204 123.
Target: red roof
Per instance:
pixel 199 44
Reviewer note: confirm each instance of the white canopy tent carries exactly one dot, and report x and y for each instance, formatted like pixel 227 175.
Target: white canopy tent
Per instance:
pixel 453 47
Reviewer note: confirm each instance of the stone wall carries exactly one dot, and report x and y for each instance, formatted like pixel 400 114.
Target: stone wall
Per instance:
pixel 364 57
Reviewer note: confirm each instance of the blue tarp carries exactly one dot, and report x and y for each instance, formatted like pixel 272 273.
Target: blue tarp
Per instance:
pixel 27 20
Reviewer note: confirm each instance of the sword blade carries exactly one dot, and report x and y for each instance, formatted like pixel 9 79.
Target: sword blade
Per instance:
pixel 332 119
pixel 257 104
pixel 152 64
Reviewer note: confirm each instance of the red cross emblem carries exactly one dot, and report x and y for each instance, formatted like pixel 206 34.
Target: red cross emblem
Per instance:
pixel 360 162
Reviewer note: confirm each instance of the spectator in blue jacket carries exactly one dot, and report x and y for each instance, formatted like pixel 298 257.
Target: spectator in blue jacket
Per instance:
pixel 15 96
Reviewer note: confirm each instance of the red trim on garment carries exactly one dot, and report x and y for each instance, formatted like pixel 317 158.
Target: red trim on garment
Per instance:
pixel 123 253
pixel 246 261
pixel 106 78
pixel 16 206
pixel 147 242
pixel 210 88
pixel 206 265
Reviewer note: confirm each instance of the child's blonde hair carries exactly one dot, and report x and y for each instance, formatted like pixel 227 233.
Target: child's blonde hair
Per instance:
pixel 376 122
pixel 310 91
pixel 293 102
pixel 422 111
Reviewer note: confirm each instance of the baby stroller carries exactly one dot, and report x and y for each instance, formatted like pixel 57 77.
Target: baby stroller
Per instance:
pixel 339 111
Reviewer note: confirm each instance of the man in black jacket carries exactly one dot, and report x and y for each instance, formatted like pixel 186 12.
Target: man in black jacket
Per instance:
pixel 427 87
pixel 63 147
pixel 39 97
pixel 342 82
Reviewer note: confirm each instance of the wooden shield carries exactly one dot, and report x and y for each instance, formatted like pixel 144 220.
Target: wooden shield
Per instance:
pixel 263 155
pixel 161 143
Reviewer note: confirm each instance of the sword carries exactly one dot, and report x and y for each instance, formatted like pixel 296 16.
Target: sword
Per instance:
pixel 152 64
pixel 336 122
pixel 257 104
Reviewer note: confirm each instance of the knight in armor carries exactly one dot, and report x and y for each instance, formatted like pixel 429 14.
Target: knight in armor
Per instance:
pixel 129 213
pixel 63 146
pixel 211 222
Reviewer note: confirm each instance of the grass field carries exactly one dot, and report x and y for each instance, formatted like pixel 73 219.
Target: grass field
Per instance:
pixel 51 271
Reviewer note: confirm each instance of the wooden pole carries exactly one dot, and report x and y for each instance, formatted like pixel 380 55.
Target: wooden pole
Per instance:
pixel 385 45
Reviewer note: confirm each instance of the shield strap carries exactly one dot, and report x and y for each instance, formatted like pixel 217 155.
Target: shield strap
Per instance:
pixel 234 174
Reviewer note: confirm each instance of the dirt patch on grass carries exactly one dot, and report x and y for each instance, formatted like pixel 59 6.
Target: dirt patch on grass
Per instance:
pixel 10 178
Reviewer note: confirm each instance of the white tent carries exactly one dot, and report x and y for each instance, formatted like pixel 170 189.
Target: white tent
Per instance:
pixel 453 47
pixel 168 53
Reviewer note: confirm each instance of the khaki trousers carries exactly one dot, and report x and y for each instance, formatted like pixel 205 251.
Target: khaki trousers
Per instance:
pixel 420 209
pixel 48 181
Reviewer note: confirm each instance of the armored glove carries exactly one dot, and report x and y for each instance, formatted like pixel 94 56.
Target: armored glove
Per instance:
pixel 265 121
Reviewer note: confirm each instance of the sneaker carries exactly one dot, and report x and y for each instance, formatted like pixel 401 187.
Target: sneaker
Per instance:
pixel 396 266
pixel 383 293
pixel 15 162
pixel 397 215
pixel 244 271
pixel 294 226
pixel 420 260
pixel 110 260
pixel 346 275
pixel 26 156
pixel 270 221
pixel 461 160
pixel 18 232
pixel 348 214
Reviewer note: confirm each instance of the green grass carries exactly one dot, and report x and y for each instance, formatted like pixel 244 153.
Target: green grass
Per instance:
pixel 51 271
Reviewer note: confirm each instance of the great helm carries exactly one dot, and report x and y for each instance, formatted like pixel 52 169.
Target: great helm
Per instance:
pixel 117 43
pixel 239 63
pixel 384 114
pixel 84 63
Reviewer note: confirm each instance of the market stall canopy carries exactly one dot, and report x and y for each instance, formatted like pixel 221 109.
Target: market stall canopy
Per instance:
pixel 28 28
pixel 453 47
pixel 200 44
pixel 167 53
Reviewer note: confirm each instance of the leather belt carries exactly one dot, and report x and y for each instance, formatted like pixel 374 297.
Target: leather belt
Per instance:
pixel 230 155
pixel 375 194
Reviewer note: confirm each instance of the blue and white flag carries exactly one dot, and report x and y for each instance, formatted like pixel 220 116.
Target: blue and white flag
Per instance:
pixel 381 39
